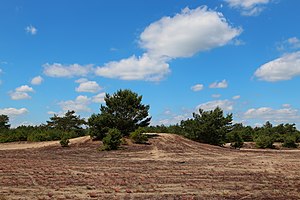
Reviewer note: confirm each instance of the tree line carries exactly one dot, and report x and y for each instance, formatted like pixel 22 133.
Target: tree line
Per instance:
pixel 125 116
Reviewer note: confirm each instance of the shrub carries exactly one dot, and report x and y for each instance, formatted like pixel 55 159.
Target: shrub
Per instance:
pixel 290 142
pixel 112 140
pixel 264 141
pixel 64 142
pixel 235 139
pixel 138 137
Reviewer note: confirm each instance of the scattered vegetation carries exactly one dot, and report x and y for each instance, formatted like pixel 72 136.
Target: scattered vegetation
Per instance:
pixel 138 136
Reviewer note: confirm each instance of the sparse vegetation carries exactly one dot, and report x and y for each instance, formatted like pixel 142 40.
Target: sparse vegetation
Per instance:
pixel 138 136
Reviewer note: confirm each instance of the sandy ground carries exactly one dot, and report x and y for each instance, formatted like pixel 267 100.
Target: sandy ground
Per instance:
pixel 170 167
pixel 29 145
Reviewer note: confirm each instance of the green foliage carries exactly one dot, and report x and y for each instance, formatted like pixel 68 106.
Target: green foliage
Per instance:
pixel 235 139
pixel 208 127
pixel 290 142
pixel 264 141
pixel 64 142
pixel 138 136
pixel 123 111
pixel 4 120
pixel 69 122
pixel 112 140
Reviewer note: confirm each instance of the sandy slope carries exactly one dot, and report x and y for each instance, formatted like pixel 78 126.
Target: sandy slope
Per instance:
pixel 29 145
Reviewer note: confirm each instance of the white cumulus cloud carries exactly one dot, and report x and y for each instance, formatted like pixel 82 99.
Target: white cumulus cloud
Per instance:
pixel 282 115
pixel 135 68
pixel 88 86
pixel 222 84
pixel 225 105
pixel 187 33
pixel 37 80
pixel 197 87
pixel 248 7
pixel 60 70
pixel 99 98
pixel 13 112
pixel 80 104
pixel 21 93
pixel 183 35
pixel 31 30
pixel 283 68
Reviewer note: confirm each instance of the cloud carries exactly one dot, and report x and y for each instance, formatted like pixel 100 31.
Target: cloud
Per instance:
pixel 99 98
pixel 13 112
pixel 289 44
pixel 225 105
pixel 282 115
pixel 88 86
pixel 197 87
pixel 31 30
pixel 216 95
pixel 180 36
pixel 80 104
pixel 222 84
pixel 171 118
pixel 236 97
pixel 283 68
pixel 248 7
pixel 37 80
pixel 24 88
pixel 191 31
pixel 135 68
pixel 60 70
pixel 21 93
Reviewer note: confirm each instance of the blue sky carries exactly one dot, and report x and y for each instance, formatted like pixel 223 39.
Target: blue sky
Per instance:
pixel 241 55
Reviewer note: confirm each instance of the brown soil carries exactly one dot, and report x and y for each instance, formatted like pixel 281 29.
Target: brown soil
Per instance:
pixel 170 167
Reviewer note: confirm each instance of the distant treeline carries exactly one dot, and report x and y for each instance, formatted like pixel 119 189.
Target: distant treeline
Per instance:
pixel 58 128
pixel 125 116
pixel 212 127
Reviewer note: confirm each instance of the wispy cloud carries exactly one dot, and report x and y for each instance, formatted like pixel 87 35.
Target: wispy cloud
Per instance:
pixel 31 30
pixel 248 7
pixel 197 87
pixel 60 70
pixel 222 84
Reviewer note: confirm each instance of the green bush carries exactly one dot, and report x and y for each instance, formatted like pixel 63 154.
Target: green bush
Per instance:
pixel 64 142
pixel 290 142
pixel 235 139
pixel 112 140
pixel 138 137
pixel 264 141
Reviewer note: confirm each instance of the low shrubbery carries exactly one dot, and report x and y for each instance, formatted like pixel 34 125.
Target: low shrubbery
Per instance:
pixel 138 136
pixel 290 142
pixel 112 140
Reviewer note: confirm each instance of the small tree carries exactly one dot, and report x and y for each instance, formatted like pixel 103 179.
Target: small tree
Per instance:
pixel 123 110
pixel 208 126
pixel 112 140
pixel 4 122
pixel 69 122
pixel 236 140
